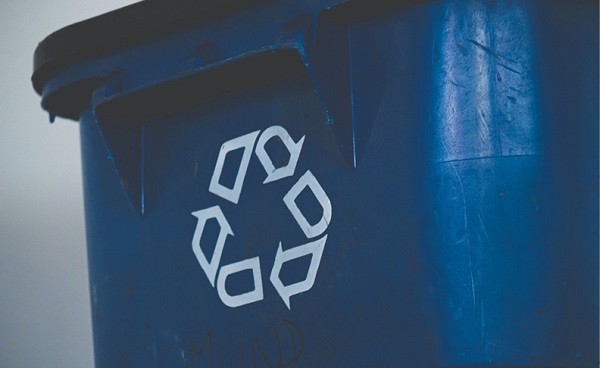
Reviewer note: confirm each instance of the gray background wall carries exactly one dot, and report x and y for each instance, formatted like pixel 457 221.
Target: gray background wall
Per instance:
pixel 44 299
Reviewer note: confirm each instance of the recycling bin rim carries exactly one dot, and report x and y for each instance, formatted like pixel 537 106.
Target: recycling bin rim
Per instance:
pixel 118 29
pixel 147 20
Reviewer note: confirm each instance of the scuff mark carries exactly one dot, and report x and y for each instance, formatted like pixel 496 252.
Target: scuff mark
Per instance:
pixel 468 238
pixel 482 225
pixel 466 224
pixel 490 51
pixel 509 68
pixel 455 84
pixel 483 121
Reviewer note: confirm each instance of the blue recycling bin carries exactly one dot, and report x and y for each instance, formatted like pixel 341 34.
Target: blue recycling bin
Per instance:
pixel 337 183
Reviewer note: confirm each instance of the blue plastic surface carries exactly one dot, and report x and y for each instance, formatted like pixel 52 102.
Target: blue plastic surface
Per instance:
pixel 456 144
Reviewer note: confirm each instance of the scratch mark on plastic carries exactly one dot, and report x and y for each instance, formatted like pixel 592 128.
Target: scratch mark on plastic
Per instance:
pixel 484 121
pixel 482 225
pixel 509 68
pixel 455 84
pixel 468 238
pixel 490 51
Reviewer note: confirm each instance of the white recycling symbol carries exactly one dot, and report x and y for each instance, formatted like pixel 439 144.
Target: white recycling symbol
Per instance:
pixel 213 270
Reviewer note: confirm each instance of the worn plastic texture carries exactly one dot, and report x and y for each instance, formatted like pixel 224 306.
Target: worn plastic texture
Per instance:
pixel 325 184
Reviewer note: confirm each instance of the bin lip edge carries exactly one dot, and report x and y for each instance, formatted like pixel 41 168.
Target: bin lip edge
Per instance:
pixel 114 30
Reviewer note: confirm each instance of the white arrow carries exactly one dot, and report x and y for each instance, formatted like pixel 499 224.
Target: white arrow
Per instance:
pixel 255 295
pixel 274 174
pixel 233 194
pixel 286 291
pixel 210 268
pixel 309 180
